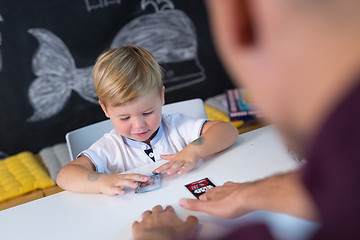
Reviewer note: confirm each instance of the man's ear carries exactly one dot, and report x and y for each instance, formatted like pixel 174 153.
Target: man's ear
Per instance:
pixel 103 107
pixel 163 95
pixel 232 21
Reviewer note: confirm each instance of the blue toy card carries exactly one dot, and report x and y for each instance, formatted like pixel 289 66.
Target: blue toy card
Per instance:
pixel 152 184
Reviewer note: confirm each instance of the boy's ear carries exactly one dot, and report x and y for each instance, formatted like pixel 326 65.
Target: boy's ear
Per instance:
pixel 163 95
pixel 103 107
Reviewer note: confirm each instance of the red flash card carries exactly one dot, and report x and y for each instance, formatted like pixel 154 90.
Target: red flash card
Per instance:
pixel 199 187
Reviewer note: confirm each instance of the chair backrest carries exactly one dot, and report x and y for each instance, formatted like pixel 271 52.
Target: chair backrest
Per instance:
pixel 82 138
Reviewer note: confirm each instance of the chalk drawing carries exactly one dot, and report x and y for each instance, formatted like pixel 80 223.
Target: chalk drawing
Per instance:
pixel 97 4
pixel 158 5
pixel 170 36
pixel 57 76
pixel 1 58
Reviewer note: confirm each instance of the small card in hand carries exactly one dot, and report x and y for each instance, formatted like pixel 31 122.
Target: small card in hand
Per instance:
pixel 199 187
pixel 152 184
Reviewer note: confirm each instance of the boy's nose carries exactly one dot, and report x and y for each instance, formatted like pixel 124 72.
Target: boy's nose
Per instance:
pixel 139 122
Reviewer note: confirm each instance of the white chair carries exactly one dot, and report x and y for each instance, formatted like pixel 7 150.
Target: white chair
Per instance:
pixel 82 138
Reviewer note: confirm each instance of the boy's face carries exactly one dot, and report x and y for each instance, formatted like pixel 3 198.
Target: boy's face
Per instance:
pixel 139 118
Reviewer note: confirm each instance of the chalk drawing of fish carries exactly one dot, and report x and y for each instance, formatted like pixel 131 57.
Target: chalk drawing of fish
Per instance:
pixel 57 76
pixel 168 34
pixel 93 5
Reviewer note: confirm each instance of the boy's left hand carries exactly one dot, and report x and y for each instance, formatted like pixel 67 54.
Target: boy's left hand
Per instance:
pixel 180 162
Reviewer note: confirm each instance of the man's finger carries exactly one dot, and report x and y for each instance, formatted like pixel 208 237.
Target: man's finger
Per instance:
pixel 146 213
pixel 157 209
pixel 206 196
pixel 212 194
pixel 228 183
pixel 169 209
pixel 214 190
pixel 194 205
pixel 192 221
pixel 203 197
pixel 135 225
pixel 211 207
pixel 191 224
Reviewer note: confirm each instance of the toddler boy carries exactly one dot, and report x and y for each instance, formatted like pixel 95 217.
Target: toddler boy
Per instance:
pixel 128 82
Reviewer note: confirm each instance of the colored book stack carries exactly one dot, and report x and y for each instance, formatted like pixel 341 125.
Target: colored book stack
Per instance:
pixel 240 108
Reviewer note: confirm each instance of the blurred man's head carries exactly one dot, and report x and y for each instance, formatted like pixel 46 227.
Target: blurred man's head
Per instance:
pixel 297 58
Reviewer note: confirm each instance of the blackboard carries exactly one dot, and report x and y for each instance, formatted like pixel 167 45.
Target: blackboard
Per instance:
pixel 48 49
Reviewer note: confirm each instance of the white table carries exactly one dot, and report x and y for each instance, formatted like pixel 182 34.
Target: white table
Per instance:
pixel 67 215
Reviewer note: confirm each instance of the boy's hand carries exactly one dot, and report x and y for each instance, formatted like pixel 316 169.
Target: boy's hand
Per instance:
pixel 180 162
pixel 113 184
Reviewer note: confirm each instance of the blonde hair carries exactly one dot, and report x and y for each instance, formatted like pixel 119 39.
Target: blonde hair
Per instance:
pixel 126 73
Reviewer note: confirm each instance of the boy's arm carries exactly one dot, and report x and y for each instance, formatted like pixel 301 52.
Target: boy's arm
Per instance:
pixel 215 136
pixel 80 176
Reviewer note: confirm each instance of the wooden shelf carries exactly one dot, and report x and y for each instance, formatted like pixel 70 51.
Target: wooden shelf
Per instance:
pixel 29 197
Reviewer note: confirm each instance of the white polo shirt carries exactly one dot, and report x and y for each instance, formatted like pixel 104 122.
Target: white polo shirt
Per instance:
pixel 114 153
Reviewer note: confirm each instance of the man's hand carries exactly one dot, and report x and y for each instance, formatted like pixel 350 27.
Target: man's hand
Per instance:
pixel 163 224
pixel 113 184
pixel 180 162
pixel 231 200
pixel 282 193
